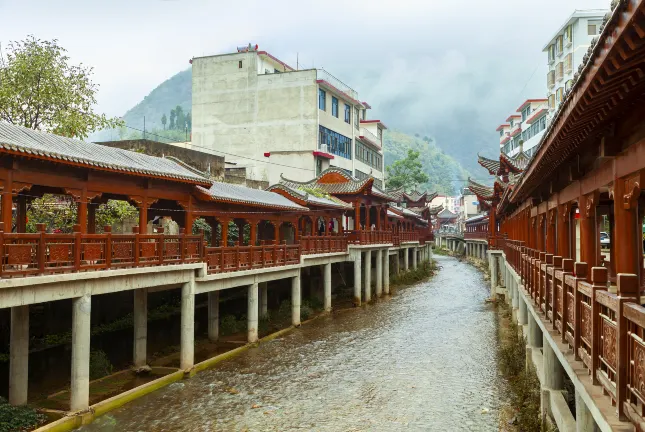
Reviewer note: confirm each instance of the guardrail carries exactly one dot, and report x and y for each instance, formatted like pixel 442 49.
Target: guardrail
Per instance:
pixel 323 75
pixel 368 237
pixel 238 258
pixel 605 330
pixel 323 244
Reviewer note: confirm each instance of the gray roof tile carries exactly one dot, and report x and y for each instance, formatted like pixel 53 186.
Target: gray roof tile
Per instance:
pixel 31 142
pixel 254 197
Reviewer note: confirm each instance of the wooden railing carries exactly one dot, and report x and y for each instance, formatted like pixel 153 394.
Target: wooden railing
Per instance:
pixel 408 236
pixel 605 331
pixel 367 237
pixel 41 253
pixel 323 244
pixel 476 235
pixel 238 258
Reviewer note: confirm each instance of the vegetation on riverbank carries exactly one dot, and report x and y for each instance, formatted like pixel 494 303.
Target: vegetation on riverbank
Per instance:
pixel 523 382
pixel 18 418
pixel 423 271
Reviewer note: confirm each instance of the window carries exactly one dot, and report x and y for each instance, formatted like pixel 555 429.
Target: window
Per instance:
pixel 567 85
pixel 568 35
pixel 559 71
pixel 558 95
pixel 356 118
pixel 348 114
pixel 526 112
pixel 322 99
pixel 361 175
pixel 368 156
pixel 551 53
pixel 337 144
pixel 501 133
pixel 551 101
pixel 592 29
pixel 239 64
pixel 334 106
pixel 550 79
pixel 276 71
pixel 558 45
pixel 363 114
pixel 379 133
pixel 568 60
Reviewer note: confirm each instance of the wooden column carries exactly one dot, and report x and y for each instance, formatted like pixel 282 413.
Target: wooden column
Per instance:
pixel 81 215
pixel 368 225
pixel 627 235
pixel 550 230
pixel 224 222
pixel 143 216
pixel 357 215
pixel 541 240
pixel 253 231
pixel 492 225
pixel 276 231
pixel 563 230
pixel 91 218
pixel 21 214
pixel 7 203
pixel 588 240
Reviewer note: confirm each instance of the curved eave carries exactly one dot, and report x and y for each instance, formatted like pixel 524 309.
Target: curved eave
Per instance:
pixel 203 195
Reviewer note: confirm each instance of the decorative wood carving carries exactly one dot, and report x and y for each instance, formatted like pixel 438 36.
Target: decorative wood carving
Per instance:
pixel 608 335
pixel 92 251
pixel 585 322
pixel 633 191
pixel 60 252
pixel 19 254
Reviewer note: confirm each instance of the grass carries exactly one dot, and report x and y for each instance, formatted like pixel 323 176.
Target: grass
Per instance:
pixel 422 272
pixel 523 381
pixel 13 418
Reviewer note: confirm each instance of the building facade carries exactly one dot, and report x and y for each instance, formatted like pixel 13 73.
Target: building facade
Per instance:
pixel 523 130
pixel 566 49
pixel 276 120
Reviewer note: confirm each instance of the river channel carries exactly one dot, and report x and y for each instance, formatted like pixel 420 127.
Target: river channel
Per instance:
pixel 422 360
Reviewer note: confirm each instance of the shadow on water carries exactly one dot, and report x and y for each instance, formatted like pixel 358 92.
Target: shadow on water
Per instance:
pixel 424 359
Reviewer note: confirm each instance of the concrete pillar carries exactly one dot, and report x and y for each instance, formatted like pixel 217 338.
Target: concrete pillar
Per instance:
pixel 80 385
pixel 493 274
pixel 187 344
pixel 140 320
pixel 379 272
pixel 584 420
pixel 535 333
pixel 522 316
pixel 553 371
pixel 386 271
pixel 367 277
pixel 295 300
pixel 327 283
pixel 414 257
pixel 213 316
pixel 357 279
pixel 252 313
pixel 516 295
pixel 406 259
pixel 264 299
pixel 19 355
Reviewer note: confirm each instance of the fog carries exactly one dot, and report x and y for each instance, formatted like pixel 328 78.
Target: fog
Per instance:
pixel 453 70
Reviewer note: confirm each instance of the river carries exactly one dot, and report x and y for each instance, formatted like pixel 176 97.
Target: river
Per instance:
pixel 421 360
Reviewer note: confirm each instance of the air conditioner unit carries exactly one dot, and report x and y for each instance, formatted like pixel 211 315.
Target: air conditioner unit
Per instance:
pixel 323 148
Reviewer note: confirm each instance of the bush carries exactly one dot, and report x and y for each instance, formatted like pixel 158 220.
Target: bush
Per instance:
pixel 229 325
pixel 100 365
pixel 422 272
pixel 18 418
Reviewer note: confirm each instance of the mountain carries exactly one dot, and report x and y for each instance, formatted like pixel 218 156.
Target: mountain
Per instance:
pixel 446 174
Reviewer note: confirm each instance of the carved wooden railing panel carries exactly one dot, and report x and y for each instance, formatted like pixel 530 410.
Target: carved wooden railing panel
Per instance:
pixel 237 258
pixel 634 405
pixel 323 244
pixel 607 347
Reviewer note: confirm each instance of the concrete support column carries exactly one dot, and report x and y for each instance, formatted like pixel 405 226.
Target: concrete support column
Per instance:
pixel 516 294
pixel 386 271
pixel 80 385
pixel 327 283
pixel 213 316
pixel 367 277
pixel 414 258
pixel 19 355
pixel 187 344
pixel 252 313
pixel 379 272
pixel 584 420
pixel 522 316
pixel 140 320
pixel 535 333
pixel 357 279
pixel 553 370
pixel 264 299
pixel 406 259
pixel 295 300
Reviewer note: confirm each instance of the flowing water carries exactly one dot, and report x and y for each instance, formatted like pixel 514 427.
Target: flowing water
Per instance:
pixel 422 360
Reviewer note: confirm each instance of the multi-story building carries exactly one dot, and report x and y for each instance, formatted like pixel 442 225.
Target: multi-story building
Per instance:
pixel 275 120
pixel 566 50
pixel 451 203
pixel 523 130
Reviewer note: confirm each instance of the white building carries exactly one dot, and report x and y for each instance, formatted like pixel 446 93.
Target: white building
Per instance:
pixel 523 130
pixel 451 203
pixel 566 49
pixel 262 113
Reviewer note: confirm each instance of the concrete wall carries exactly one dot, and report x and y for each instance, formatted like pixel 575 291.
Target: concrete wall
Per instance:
pixel 237 111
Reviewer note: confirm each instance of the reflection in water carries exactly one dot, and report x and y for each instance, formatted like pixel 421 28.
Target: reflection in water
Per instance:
pixel 421 360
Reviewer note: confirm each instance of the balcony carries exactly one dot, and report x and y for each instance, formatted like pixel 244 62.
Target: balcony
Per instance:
pixel 559 71
pixel 370 138
pixel 324 77
pixel 550 79
pixel 238 258
pixel 368 237
pixel 568 63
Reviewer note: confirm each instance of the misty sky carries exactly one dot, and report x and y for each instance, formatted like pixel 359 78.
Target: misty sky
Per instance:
pixel 444 68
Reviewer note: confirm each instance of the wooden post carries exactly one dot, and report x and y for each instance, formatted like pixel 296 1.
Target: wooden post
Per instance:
pixel 253 225
pixel 224 222
pixel 357 216
pixel 598 282
pixel 91 218
pixel 628 292
pixel 21 214
pixel 563 230
pixel 7 203
pixel 588 205
pixel 276 231
pixel 143 216
pixel 550 230
pixel 81 216
pixel 627 237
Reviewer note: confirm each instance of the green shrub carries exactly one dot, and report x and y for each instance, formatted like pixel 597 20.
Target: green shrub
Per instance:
pixel 14 418
pixel 422 272
pixel 100 365
pixel 229 325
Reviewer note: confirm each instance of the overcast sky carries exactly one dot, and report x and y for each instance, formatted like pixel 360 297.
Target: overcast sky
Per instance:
pixel 425 66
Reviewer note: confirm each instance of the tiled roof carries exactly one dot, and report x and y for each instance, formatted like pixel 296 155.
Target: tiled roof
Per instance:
pixel 446 214
pixel 515 164
pixel 482 191
pixel 43 145
pixel 476 218
pixel 390 213
pixel 348 187
pixel 436 210
pixel 297 193
pixel 490 164
pixel 227 192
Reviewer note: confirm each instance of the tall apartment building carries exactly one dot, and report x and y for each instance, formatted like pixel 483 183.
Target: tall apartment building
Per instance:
pixel 566 49
pixel 523 130
pixel 262 113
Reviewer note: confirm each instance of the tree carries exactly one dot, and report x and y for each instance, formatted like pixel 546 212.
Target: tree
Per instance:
pixel 180 121
pixel 407 173
pixel 40 89
pixel 171 126
pixel 164 119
